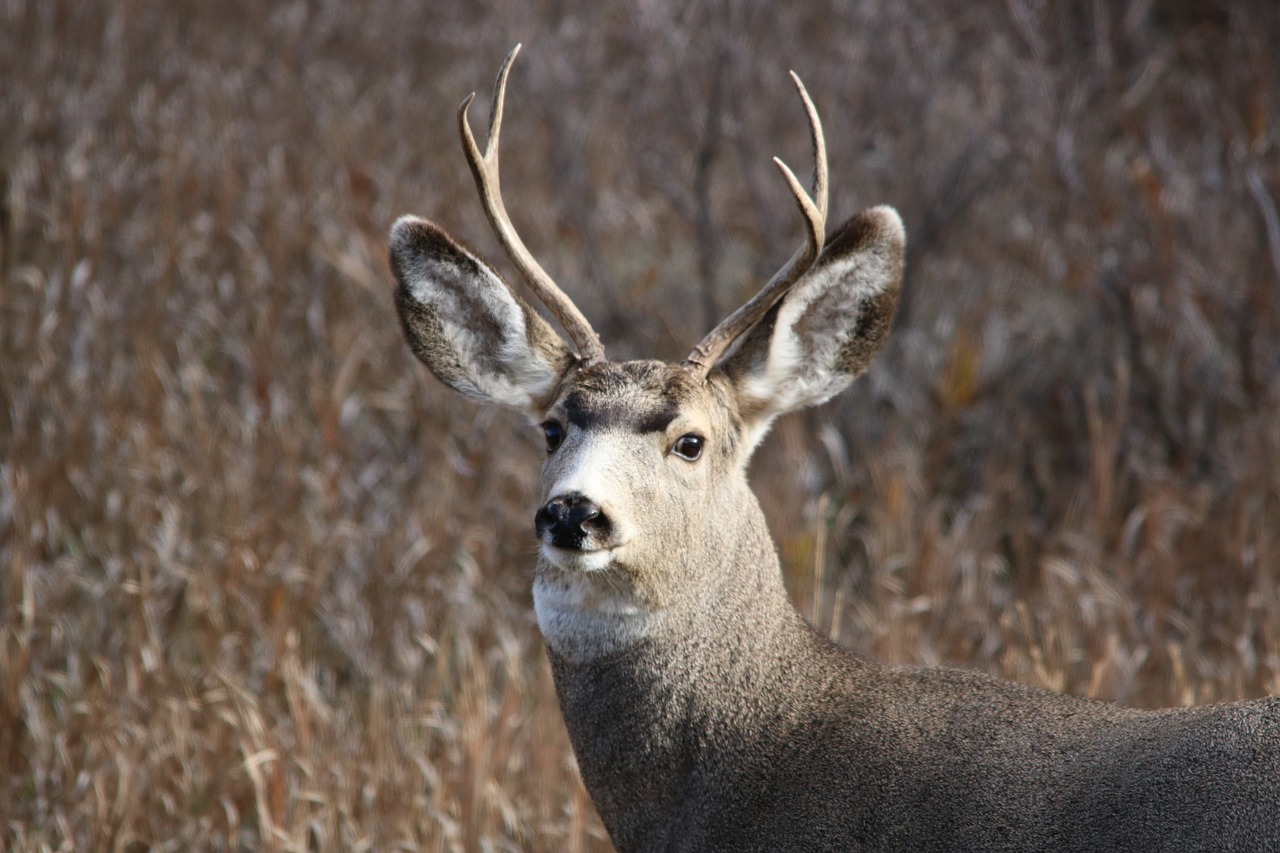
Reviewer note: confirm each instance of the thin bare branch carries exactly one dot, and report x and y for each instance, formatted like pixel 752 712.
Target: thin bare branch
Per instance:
pixel 484 167
pixel 1270 219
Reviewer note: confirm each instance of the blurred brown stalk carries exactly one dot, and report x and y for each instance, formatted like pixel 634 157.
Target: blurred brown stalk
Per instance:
pixel 264 584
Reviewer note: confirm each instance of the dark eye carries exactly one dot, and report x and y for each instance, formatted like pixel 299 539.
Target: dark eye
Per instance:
pixel 688 447
pixel 554 434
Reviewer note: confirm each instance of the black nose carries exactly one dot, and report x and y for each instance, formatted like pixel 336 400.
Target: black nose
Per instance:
pixel 568 520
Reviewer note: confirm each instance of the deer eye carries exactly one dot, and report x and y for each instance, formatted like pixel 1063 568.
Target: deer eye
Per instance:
pixel 554 434
pixel 688 447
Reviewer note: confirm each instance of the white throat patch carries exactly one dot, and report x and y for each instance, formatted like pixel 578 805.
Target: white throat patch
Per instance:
pixel 583 617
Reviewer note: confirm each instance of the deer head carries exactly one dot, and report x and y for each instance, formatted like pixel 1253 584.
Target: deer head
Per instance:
pixel 646 512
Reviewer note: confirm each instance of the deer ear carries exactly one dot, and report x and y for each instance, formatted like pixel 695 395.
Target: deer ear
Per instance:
pixel 824 332
pixel 464 322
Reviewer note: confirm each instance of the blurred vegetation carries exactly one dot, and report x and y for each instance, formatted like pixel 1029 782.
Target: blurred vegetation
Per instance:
pixel 264 584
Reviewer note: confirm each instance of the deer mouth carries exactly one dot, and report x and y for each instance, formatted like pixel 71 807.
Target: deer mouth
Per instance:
pixel 583 558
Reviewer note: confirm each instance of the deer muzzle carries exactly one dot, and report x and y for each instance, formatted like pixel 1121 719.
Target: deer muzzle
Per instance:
pixel 573 522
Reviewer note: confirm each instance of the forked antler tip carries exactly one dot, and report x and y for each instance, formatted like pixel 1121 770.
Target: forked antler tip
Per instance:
pixel 814 210
pixel 484 168
pixel 495 109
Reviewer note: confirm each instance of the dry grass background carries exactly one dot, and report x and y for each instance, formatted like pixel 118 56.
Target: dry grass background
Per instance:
pixel 265 584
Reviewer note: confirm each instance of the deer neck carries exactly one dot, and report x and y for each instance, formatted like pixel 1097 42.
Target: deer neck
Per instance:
pixel 656 701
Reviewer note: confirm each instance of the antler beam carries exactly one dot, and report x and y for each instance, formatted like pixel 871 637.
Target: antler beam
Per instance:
pixel 814 211
pixel 484 167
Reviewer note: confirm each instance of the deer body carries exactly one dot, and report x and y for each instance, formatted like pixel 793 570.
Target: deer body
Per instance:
pixel 759 734
pixel 704 712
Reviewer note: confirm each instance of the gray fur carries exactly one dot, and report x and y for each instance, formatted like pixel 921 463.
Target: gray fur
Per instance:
pixel 707 715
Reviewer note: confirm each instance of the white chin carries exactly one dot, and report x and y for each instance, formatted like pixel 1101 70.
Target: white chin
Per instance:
pixel 576 561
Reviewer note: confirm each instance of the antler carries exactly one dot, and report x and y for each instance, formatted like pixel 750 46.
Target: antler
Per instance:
pixel 705 354
pixel 484 167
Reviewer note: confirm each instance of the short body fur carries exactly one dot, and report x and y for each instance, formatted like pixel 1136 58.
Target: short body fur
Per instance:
pixel 738 728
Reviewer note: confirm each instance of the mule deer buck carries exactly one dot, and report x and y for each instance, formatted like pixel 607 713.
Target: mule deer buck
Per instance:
pixel 705 713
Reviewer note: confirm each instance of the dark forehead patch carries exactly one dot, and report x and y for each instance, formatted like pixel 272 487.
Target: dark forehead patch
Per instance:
pixel 586 413
pixel 640 396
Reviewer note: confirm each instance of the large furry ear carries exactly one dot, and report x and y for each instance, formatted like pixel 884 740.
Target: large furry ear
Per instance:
pixel 464 322
pixel 825 331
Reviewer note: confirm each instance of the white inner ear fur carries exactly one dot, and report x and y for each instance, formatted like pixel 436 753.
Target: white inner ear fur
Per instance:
pixel 800 368
pixel 523 374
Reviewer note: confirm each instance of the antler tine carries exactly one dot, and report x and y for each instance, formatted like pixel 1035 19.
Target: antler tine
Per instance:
pixel 814 211
pixel 484 167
